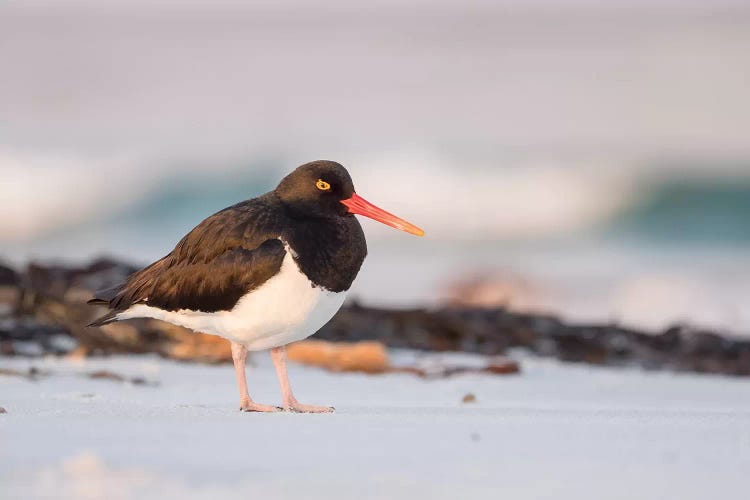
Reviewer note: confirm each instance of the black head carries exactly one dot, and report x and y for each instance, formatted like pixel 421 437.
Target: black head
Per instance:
pixel 324 189
pixel 316 189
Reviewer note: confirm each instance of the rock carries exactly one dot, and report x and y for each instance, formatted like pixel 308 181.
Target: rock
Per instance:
pixel 493 289
pixel 366 356
pixel 9 372
pixel 32 373
pixel 56 280
pixel 79 353
pixel 116 377
pixel 9 277
pixel 106 375
pixel 469 398
pixel 502 366
pixel 10 300
pixel 3 410
pixel 43 311
pixel 189 346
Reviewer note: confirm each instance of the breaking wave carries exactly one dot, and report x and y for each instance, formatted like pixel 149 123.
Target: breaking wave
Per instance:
pixel 146 205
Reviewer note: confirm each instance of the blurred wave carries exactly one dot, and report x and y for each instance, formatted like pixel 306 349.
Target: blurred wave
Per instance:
pixel 52 198
pixel 515 202
pixel 713 211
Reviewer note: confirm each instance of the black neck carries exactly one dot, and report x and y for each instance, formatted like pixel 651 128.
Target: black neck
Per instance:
pixel 330 251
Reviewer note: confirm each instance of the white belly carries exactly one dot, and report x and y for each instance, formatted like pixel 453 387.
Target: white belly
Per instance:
pixel 286 308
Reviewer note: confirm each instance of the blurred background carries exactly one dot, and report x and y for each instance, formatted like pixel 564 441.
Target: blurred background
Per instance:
pixel 576 157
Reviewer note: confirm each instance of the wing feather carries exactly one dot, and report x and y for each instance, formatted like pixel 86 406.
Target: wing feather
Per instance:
pixel 226 256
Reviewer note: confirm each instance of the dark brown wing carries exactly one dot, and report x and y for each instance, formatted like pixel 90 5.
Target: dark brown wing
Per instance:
pixel 227 255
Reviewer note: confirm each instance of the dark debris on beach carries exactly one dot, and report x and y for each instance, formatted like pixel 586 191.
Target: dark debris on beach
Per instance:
pixel 43 311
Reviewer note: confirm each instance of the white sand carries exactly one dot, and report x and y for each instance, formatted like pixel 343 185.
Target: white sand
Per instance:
pixel 556 431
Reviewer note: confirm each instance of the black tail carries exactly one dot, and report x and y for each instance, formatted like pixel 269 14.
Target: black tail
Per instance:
pixel 110 317
pixel 133 291
pixel 104 298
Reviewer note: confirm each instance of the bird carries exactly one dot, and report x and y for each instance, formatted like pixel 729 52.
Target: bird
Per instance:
pixel 262 273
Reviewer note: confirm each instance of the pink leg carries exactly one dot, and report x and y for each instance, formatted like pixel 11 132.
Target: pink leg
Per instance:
pixel 239 356
pixel 290 403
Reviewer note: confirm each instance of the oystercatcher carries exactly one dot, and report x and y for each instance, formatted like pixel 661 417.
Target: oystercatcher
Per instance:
pixel 262 273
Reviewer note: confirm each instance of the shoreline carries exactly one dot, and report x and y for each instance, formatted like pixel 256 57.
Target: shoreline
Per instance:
pixel 43 312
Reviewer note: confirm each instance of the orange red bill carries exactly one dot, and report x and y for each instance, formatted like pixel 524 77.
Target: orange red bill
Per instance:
pixel 358 205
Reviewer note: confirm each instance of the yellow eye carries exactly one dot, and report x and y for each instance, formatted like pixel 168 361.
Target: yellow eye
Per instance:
pixel 322 185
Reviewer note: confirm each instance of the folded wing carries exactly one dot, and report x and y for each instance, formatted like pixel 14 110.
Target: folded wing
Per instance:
pixel 226 256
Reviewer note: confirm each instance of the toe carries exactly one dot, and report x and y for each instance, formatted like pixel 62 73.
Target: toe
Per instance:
pixel 301 408
pixel 255 407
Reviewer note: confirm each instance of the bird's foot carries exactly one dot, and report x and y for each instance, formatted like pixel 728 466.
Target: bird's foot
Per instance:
pixel 297 407
pixel 253 406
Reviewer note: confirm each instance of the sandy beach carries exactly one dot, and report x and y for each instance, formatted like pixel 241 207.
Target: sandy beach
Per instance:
pixel 558 431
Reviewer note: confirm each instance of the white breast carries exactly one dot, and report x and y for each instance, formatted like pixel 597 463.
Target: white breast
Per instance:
pixel 286 308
